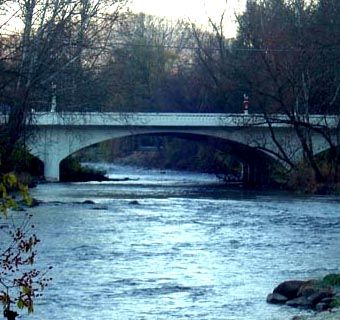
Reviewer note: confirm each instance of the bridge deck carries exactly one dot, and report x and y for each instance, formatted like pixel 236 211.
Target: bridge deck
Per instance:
pixel 154 119
pixel 169 119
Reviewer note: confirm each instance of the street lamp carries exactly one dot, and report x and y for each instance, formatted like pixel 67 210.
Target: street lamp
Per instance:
pixel 245 103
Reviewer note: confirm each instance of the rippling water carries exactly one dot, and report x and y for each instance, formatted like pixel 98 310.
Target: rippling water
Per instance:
pixel 189 250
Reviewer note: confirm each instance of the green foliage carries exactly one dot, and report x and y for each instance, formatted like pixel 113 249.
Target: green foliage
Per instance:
pixel 332 279
pixel 20 282
pixel 10 182
pixel 335 303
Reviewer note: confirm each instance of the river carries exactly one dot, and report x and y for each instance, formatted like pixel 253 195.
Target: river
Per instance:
pixel 189 249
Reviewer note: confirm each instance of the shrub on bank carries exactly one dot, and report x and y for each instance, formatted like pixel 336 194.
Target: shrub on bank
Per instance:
pixel 302 179
pixel 20 281
pixel 71 170
pixel 331 279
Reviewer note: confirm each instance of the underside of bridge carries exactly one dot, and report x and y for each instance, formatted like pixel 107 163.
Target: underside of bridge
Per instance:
pixel 257 166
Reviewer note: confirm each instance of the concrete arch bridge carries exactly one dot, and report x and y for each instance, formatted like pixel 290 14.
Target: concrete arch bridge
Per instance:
pixel 55 136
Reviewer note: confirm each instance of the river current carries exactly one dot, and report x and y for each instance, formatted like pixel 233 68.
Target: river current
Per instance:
pixel 187 249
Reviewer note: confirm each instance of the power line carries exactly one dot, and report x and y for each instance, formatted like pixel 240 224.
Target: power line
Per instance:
pixel 111 47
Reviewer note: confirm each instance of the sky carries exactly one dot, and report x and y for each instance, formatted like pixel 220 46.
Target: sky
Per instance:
pixel 197 11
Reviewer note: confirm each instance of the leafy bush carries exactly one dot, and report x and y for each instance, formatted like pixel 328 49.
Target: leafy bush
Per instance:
pixel 332 279
pixel 20 282
pixel 335 303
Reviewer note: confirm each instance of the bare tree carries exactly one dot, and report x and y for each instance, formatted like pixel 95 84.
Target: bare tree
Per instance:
pixel 294 71
pixel 54 40
pixel 145 54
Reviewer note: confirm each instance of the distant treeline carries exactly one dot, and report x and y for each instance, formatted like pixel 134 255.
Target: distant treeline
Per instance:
pixel 285 54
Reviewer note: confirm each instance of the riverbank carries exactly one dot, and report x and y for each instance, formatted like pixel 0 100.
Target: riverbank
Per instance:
pixel 326 189
pixel 320 295
pixel 325 315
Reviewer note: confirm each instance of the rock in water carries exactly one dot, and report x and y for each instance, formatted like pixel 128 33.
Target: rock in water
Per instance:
pixel 318 296
pixel 88 202
pixel 134 202
pixel 289 288
pixel 313 294
pixel 300 302
pixel 276 298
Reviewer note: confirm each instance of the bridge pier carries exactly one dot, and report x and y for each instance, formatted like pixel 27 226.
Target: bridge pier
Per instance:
pixel 255 175
pixel 51 168
pixel 249 175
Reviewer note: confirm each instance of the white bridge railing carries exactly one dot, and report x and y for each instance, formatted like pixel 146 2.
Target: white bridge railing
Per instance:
pixel 170 119
pixel 166 119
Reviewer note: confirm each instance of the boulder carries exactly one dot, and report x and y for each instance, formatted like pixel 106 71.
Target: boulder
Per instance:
pixel 317 297
pixel 276 298
pixel 88 202
pixel 134 202
pixel 300 302
pixel 320 295
pixel 327 300
pixel 307 289
pixel 289 288
pixel 321 306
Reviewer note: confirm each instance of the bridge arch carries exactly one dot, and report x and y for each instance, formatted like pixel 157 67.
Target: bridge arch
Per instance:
pixel 59 143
